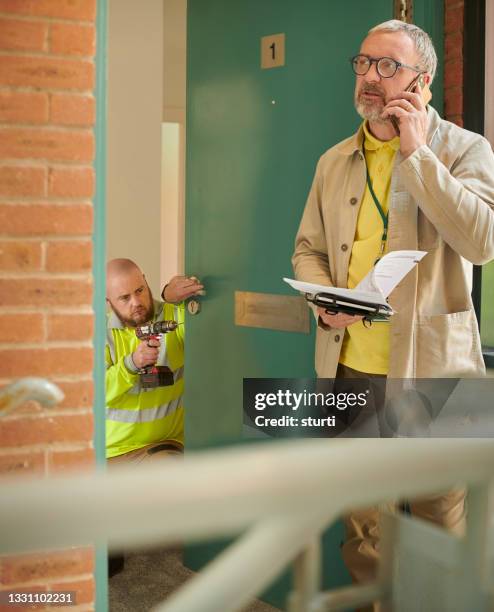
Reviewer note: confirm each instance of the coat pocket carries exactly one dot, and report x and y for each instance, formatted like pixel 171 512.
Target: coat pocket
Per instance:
pixel 448 345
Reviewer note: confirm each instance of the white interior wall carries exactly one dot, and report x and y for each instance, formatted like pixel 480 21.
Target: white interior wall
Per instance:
pixel 135 112
pixel 171 212
pixel 173 154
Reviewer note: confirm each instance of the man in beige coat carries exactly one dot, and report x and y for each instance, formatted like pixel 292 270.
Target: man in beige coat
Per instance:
pixel 434 191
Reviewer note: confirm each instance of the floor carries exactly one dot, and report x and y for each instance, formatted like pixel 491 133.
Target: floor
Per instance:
pixel 149 577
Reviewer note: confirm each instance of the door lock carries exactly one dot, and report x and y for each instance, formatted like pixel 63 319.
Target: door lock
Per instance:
pixel 194 307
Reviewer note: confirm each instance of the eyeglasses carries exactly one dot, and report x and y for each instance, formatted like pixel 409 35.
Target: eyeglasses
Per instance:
pixel 386 66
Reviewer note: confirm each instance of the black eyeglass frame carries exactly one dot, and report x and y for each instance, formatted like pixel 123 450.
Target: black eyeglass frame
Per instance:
pixel 376 60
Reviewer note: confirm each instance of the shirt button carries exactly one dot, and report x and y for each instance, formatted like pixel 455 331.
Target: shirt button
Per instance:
pixel 337 338
pixel 344 247
pixel 353 201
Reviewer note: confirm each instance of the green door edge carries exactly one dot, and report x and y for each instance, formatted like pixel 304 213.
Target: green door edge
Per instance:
pixel 99 271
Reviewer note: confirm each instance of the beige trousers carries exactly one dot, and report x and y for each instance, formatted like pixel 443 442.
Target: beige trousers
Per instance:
pixel 147 454
pixel 361 547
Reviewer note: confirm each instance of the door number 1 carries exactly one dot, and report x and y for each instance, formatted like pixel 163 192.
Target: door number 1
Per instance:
pixel 273 51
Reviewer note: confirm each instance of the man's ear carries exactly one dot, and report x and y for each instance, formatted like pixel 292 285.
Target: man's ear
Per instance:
pixel 426 92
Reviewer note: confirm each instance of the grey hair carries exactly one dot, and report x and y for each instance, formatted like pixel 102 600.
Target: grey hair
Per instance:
pixel 422 40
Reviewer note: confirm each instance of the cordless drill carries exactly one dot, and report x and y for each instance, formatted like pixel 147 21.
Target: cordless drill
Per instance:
pixel 155 375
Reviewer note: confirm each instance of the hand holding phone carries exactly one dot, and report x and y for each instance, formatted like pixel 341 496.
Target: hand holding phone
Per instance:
pixel 410 116
pixel 425 93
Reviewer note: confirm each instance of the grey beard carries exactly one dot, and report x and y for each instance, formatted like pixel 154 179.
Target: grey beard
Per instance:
pixel 370 113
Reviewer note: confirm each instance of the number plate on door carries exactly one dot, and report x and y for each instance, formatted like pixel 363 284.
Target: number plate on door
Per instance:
pixel 273 51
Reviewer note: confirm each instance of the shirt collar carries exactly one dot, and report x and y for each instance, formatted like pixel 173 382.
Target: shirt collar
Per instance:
pixel 371 143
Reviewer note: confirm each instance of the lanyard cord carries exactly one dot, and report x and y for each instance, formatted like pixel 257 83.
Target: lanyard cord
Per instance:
pixel 384 216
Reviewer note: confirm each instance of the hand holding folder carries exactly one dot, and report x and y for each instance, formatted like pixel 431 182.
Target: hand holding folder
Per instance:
pixel 369 298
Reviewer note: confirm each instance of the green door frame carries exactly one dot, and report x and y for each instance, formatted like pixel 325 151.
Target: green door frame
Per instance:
pixel 99 268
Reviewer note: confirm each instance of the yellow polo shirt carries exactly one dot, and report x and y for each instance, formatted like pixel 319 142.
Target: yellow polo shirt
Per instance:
pixel 367 348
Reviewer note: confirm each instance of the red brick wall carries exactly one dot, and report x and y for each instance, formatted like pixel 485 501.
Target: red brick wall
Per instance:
pixel 453 60
pixel 47 111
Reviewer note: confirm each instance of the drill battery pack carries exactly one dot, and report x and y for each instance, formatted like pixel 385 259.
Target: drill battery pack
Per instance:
pixel 156 376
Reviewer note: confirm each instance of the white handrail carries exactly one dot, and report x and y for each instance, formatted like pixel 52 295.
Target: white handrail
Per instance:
pixel 29 388
pixel 247 566
pixel 287 492
pixel 283 479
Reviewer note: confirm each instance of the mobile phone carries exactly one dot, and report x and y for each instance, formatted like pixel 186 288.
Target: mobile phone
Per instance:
pixel 426 96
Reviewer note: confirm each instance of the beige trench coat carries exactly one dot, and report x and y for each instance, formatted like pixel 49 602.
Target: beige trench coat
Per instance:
pixel 442 202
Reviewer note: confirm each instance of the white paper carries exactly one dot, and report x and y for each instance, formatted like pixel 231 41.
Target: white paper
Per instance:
pixel 389 271
pixel 370 297
pixel 377 285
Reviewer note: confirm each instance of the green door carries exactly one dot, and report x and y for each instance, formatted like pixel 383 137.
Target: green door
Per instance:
pixel 253 139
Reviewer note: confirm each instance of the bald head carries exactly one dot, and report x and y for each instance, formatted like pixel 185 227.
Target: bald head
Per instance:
pixel 120 267
pixel 128 293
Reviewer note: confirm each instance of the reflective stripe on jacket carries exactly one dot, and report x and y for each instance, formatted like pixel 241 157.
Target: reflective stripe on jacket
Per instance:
pixel 135 416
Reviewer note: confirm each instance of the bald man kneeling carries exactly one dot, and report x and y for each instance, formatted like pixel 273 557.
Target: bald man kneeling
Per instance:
pixel 142 423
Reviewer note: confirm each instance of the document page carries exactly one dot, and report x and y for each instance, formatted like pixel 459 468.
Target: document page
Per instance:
pixel 371 297
pixel 377 285
pixel 389 271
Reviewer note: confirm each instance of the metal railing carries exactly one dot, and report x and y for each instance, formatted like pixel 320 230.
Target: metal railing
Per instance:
pixel 279 498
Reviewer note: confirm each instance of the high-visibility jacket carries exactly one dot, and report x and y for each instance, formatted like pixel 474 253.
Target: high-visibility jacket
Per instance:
pixel 136 417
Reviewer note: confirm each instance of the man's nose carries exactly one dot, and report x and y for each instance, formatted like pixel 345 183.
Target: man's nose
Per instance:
pixel 136 301
pixel 372 74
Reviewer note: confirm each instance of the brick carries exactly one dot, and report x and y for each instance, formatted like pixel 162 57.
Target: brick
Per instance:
pixel 78 110
pixel 31 407
pixel 46 430
pixel 83 10
pixel 84 590
pixel 45 292
pixel 69 326
pixel 40 588
pixel 78 394
pixel 72 39
pixel 22 181
pixel 69 461
pixel 46 219
pixel 46 362
pixel 69 256
pixel 25 463
pixel 46 73
pixel 453 74
pixel 453 18
pixel 21 327
pixel 43 566
pixel 69 182
pixel 23 107
pixel 453 101
pixel 17 35
pixel 453 46
pixel 20 256
pixel 56 145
